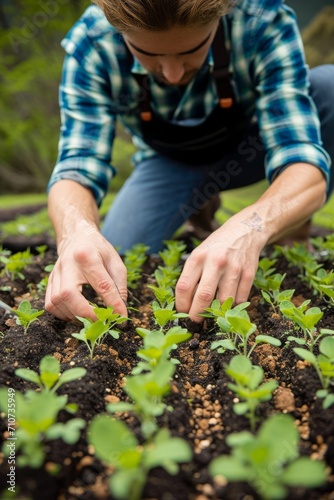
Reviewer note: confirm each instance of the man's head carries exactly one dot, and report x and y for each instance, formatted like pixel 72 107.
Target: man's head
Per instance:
pixel 170 38
pixel 162 15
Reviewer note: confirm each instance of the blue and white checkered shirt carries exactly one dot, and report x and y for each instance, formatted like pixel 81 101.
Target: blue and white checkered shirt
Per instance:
pixel 270 78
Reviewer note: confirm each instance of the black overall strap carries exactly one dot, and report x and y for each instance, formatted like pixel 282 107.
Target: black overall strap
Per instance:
pixel 221 73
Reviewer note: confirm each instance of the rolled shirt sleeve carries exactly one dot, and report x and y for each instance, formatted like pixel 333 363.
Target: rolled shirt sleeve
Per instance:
pixel 87 120
pixel 287 116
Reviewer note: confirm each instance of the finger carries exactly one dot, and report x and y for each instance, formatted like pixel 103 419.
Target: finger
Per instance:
pixel 205 293
pixel 54 303
pixel 186 286
pixel 245 285
pixel 228 283
pixel 65 299
pixel 106 288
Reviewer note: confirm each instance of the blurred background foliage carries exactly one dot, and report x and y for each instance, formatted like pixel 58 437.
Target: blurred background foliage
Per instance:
pixel 30 68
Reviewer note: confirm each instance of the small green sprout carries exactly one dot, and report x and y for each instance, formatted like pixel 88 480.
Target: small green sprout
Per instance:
pixel 237 328
pixel 297 255
pixel 173 253
pixel 94 332
pixel 25 314
pixel 50 378
pixel 15 263
pixel 157 347
pixel 163 295
pixel 248 386
pixel 115 444
pixel 269 461
pixel 324 245
pixel 164 315
pixel 324 366
pixel 218 310
pixel 306 320
pixel 134 258
pixel 36 414
pixel 270 284
pixel 41 249
pixel 147 392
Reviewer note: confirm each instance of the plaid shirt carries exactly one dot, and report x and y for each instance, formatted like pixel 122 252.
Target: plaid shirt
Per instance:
pixel 269 75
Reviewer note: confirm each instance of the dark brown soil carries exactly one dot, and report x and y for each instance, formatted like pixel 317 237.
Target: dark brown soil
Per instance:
pixel 203 405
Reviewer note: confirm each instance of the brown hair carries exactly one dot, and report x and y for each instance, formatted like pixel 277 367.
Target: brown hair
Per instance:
pixel 162 15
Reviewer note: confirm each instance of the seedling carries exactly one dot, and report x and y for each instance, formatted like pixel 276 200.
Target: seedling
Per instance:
pixel 269 461
pixel 157 347
pixel 26 314
pixel 50 378
pixel 133 261
pixel 270 284
pixel 218 310
pixel 172 254
pixel 298 255
pixel 163 295
pixel 325 246
pixel 324 366
pixel 94 332
pixel 147 392
pixel 115 444
pixel 237 328
pixel 15 263
pixel 36 414
pixel 306 320
pixel 164 315
pixel 248 386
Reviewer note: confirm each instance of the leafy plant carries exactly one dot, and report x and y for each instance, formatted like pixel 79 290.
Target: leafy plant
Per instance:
pixel 218 310
pixel 94 332
pixel 306 320
pixel 164 315
pixel 116 445
pixel 50 378
pixel 324 366
pixel 15 263
pixel 297 255
pixel 270 284
pixel 157 347
pixel 147 392
pixel 248 386
pixel 134 259
pixel 36 414
pixel 270 460
pixel 237 328
pixel 25 314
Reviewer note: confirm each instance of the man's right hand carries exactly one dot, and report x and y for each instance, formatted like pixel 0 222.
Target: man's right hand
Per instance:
pixel 86 258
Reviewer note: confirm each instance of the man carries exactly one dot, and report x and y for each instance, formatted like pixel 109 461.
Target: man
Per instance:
pixel 215 96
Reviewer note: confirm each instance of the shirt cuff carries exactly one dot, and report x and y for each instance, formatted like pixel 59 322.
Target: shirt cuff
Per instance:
pixel 87 171
pixel 285 156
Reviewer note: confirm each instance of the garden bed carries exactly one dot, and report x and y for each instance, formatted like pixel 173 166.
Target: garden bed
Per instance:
pixel 203 404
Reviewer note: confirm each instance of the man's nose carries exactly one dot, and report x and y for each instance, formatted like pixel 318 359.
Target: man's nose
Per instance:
pixel 172 70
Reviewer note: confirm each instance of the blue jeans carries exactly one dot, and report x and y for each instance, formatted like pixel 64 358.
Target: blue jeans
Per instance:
pixel 161 194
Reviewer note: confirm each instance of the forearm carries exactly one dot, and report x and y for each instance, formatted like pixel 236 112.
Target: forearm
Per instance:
pixel 292 198
pixel 71 207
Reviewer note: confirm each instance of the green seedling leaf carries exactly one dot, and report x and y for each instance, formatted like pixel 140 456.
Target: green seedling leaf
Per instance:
pixel 306 355
pixel 305 472
pixel 120 439
pixel 267 339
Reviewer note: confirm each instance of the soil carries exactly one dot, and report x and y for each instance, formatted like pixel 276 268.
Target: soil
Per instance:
pixel 203 405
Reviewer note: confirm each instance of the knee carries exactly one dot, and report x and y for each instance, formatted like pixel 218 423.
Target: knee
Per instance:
pixel 322 85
